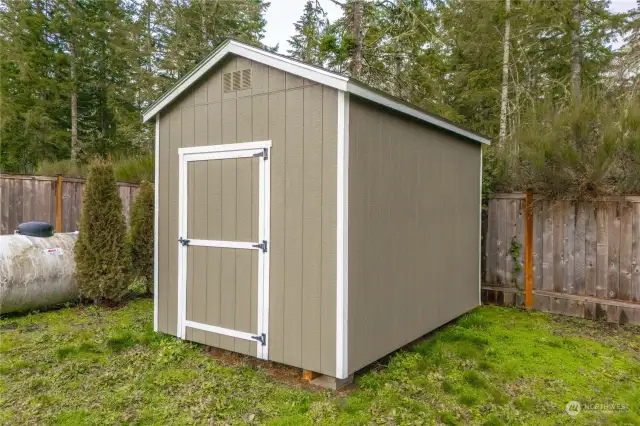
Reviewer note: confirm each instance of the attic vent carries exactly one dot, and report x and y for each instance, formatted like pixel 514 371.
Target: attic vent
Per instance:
pixel 237 80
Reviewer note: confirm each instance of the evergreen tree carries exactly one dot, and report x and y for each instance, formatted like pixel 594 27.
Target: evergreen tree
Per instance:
pixel 141 236
pixel 103 264
pixel 305 44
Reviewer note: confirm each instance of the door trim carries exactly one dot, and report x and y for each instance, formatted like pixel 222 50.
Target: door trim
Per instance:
pixel 220 152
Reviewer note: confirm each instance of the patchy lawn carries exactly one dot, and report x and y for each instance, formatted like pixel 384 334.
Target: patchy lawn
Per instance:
pixel 494 366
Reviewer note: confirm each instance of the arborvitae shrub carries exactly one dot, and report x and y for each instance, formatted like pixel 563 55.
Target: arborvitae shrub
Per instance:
pixel 141 237
pixel 103 263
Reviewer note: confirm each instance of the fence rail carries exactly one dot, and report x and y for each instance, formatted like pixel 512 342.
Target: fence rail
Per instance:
pixel 57 200
pixel 585 255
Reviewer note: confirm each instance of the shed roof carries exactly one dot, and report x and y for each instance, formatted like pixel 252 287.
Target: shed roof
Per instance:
pixel 311 72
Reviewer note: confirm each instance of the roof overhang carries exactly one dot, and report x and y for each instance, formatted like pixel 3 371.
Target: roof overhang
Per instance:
pixel 303 70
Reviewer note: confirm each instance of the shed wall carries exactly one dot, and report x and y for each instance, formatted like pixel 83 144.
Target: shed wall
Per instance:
pixel 300 118
pixel 414 227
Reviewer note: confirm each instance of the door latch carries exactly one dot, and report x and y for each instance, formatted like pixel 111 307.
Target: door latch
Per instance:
pixel 183 241
pixel 262 246
pixel 262 338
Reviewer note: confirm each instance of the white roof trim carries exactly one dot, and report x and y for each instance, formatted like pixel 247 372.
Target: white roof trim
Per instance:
pixel 306 71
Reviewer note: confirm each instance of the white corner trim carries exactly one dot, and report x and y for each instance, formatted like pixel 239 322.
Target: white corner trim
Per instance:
pixel 156 210
pixel 342 237
pixel 480 237
pixel 373 96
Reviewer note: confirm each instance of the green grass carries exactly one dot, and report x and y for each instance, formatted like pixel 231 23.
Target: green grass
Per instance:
pixel 494 366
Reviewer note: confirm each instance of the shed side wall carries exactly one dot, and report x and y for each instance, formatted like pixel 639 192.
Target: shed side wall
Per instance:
pixel 414 206
pixel 300 118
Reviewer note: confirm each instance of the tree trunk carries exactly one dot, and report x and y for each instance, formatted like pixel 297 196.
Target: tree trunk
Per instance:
pixel 398 56
pixel 576 51
pixel 356 55
pixel 74 92
pixel 504 89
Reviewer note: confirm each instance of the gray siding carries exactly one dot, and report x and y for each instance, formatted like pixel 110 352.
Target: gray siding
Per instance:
pixel 301 120
pixel 414 206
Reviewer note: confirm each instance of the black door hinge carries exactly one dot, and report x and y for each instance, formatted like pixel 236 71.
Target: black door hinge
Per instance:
pixel 264 153
pixel 262 338
pixel 183 241
pixel 262 246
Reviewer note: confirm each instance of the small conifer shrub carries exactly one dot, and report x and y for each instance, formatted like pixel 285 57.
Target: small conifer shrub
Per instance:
pixel 141 236
pixel 103 263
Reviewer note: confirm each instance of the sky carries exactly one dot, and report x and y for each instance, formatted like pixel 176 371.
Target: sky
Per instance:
pixel 283 13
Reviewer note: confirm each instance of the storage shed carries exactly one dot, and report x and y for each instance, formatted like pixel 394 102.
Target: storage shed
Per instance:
pixel 306 218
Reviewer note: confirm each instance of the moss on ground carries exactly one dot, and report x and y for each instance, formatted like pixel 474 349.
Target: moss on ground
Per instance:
pixel 494 366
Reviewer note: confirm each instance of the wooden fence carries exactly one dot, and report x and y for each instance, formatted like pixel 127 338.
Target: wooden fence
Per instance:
pixel 585 257
pixel 56 200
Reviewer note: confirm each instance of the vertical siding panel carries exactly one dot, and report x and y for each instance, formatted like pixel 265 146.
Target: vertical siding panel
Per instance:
pixel 188 139
pixel 538 254
pixel 175 141
pixel 635 254
pixel 569 246
pixel 613 272
pixel 276 80
pixel 579 246
pixel 602 263
pixel 214 255
pixel 214 88
pixel 259 78
pixel 201 93
pixel 277 103
pixel 591 250
pixel 329 216
pixel 312 228
pixel 293 232
pixel 163 226
pixel 293 81
pixel 201 192
pixel 229 214
pixel 214 124
pixel 626 235
pixel 243 286
pixel 558 245
pixel 246 211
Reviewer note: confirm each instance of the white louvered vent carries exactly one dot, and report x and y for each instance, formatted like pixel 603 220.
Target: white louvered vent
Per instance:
pixel 237 80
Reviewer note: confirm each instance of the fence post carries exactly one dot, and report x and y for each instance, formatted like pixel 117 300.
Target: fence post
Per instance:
pixel 59 204
pixel 528 251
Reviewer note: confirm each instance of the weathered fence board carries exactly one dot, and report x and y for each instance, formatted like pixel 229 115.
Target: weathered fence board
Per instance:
pixel 25 198
pixel 586 256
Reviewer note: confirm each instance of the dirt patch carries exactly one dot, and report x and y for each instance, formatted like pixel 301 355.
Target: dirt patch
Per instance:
pixel 281 373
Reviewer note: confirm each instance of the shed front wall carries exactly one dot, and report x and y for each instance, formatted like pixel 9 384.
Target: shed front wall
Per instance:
pixel 300 118
pixel 414 227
